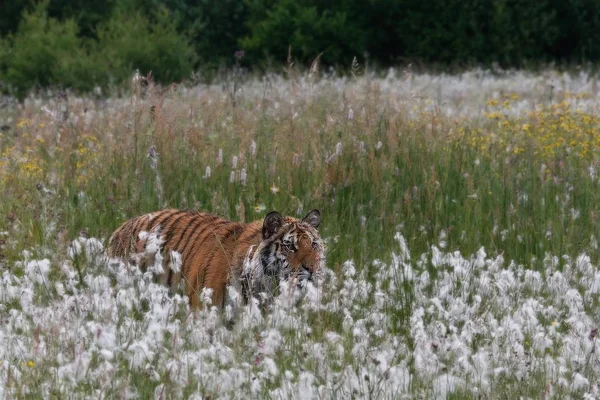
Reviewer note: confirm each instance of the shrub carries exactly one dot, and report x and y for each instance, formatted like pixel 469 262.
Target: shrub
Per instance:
pixel 45 52
pixel 130 42
pixel 306 27
pixel 214 28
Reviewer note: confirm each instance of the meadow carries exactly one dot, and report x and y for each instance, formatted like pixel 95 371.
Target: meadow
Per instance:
pixel 460 214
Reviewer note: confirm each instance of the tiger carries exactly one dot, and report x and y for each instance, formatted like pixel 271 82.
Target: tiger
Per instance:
pixel 215 252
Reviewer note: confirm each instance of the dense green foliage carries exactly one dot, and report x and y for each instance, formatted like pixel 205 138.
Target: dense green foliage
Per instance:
pixel 68 42
pixel 45 51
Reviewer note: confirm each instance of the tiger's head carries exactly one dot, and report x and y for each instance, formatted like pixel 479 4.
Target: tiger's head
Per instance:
pixel 291 249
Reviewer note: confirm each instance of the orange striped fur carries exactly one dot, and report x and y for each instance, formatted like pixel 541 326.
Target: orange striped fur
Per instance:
pixel 215 252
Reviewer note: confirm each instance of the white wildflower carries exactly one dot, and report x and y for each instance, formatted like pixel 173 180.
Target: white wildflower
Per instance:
pixel 296 160
pixel 446 384
pixel 270 365
pixel 206 296
pixel 361 146
pixel 349 269
pixel 138 354
pixel 37 270
pixel 580 382
pixel 207 172
pixel 306 391
pixel 336 154
pixel 107 354
pixel 175 262
pixel 243 176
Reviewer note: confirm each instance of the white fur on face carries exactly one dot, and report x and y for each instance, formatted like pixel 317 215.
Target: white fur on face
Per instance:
pixel 265 269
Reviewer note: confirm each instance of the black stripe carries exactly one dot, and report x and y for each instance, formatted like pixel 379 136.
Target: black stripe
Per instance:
pixel 192 225
pixel 207 264
pixel 170 232
pixel 159 221
pixel 168 282
pixel 142 226
pixel 237 228
pixel 264 260
pixel 195 235
pixel 123 236
pixel 112 242
pixel 135 223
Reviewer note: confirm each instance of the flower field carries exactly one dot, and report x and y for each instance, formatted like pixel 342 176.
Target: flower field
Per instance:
pixel 460 215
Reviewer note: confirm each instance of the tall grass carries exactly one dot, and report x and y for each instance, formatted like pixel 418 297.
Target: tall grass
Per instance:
pixel 445 166
pixel 371 153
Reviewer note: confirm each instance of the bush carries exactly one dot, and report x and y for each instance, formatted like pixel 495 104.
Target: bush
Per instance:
pixel 459 32
pixel 10 14
pixel 46 52
pixel 130 42
pixel 86 43
pixel 307 28
pixel 215 28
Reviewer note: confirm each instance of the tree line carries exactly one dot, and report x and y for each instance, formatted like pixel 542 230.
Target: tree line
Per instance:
pixel 86 44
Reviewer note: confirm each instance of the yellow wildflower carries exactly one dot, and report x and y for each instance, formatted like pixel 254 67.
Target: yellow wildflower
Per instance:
pixel 23 122
pixel 495 115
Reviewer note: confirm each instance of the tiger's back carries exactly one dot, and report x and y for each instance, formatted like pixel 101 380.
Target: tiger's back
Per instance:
pixel 211 248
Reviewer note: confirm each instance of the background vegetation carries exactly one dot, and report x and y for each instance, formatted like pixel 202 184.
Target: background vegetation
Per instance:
pixel 86 44
pixel 514 173
pixel 460 212
pixel 460 215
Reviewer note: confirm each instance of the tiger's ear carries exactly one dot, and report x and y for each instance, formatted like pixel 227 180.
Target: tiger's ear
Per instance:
pixel 272 223
pixel 313 218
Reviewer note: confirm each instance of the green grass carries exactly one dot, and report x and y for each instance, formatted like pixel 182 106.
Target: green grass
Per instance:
pixel 448 182
pixel 421 181
pixel 417 182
